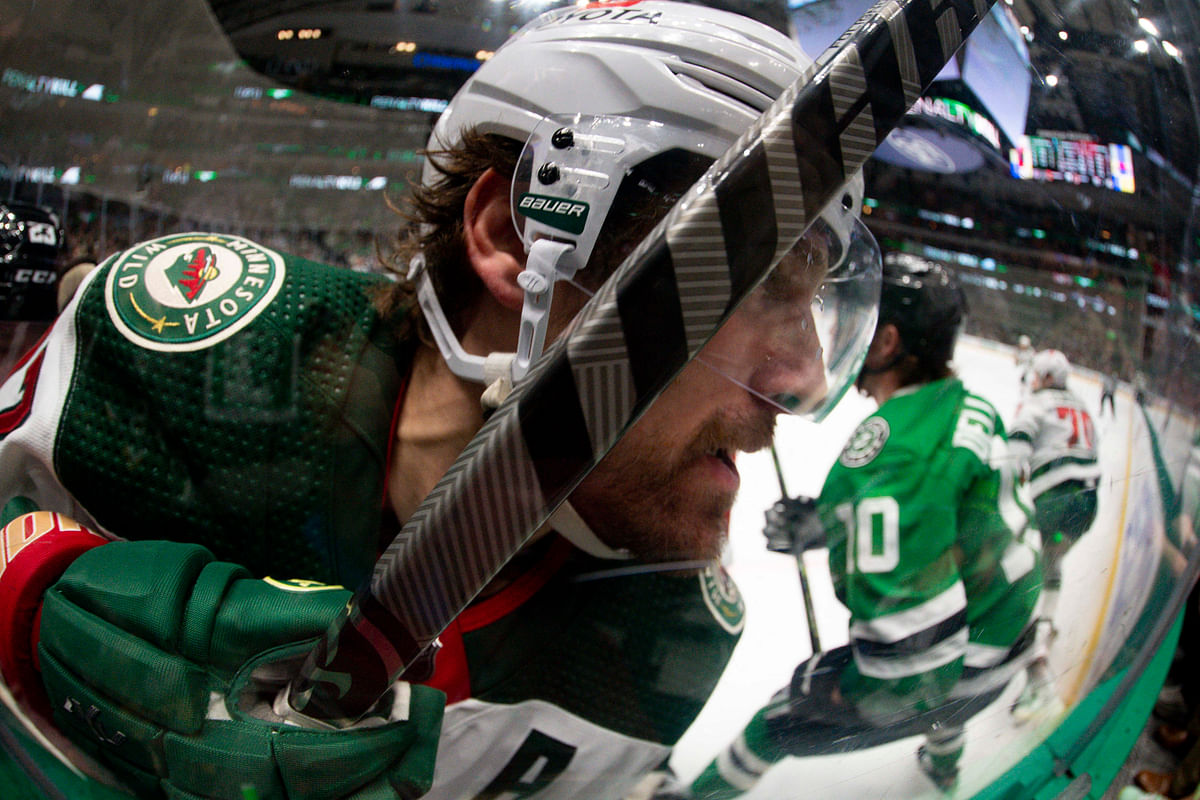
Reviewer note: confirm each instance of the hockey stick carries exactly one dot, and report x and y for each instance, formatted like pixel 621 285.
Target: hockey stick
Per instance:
pixel 805 591
pixel 629 342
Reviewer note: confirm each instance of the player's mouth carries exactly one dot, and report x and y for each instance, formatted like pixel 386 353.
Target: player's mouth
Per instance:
pixel 722 469
pixel 718 442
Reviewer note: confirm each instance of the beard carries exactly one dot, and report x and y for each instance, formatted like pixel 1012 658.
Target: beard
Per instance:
pixel 649 496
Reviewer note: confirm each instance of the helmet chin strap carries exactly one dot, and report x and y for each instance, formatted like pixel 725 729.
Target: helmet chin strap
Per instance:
pixel 499 372
pixel 537 279
pixel 574 529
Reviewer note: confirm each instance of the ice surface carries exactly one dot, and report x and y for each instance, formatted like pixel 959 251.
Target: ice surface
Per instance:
pixel 1095 594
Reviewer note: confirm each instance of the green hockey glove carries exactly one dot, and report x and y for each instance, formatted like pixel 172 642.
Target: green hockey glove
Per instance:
pixel 165 663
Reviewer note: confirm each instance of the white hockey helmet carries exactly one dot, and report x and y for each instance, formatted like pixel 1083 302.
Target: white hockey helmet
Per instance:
pixel 1052 368
pixel 691 69
pixel 625 81
pixel 1024 342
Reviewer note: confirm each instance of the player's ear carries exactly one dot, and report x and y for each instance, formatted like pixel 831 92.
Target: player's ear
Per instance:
pixel 887 343
pixel 493 246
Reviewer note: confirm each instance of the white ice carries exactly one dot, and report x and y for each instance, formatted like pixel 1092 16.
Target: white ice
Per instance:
pixel 776 639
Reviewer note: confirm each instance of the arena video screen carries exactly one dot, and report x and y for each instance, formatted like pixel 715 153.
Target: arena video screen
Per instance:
pixel 823 652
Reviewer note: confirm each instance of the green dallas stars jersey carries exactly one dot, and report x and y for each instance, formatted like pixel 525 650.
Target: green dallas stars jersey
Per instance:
pixel 926 549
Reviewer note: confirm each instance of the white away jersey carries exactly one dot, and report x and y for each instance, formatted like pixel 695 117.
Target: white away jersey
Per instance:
pixel 1053 433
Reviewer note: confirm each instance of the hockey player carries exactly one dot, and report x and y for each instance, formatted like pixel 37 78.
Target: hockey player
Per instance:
pixel 1055 444
pixel 1108 391
pixel 1023 358
pixel 925 549
pixel 258 409
pixel 31 246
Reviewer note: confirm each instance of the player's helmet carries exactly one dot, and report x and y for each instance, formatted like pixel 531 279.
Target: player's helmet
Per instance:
pixel 31 241
pixel 1052 368
pixel 925 302
pixel 1024 342
pixel 595 91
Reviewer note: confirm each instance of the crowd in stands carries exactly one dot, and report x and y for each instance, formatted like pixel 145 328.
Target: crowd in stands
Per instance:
pixel 1031 258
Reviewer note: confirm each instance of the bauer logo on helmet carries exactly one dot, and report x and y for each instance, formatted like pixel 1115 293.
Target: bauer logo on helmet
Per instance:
pixel 565 215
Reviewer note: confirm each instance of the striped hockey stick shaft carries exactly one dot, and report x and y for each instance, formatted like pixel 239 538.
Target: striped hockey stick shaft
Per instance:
pixel 656 312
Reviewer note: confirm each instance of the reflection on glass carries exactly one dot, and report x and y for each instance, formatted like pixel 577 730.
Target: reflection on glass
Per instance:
pixel 1050 169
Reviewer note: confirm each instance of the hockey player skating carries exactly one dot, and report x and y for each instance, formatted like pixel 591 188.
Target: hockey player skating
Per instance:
pixel 1055 444
pixel 219 403
pixel 1023 359
pixel 1108 391
pixel 1054 441
pixel 926 551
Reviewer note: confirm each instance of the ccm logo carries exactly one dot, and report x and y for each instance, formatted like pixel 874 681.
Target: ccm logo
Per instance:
pixel 43 276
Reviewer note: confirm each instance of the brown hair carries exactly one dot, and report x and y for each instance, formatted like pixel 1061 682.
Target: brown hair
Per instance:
pixel 434 217
pixel 434 225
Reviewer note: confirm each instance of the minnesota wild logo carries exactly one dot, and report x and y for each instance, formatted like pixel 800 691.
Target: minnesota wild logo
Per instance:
pixel 191 272
pixel 190 291
pixel 301 585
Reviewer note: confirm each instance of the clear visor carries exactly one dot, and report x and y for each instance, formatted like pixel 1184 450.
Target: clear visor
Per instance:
pixel 798 339
pixel 572 166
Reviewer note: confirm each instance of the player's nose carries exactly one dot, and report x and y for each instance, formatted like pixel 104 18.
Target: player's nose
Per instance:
pixel 789 364
pixel 774 353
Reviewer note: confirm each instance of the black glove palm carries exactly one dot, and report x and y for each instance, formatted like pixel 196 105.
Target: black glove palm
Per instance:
pixel 794 526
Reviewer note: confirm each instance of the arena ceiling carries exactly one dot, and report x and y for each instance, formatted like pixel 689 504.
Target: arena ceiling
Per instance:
pixel 194 86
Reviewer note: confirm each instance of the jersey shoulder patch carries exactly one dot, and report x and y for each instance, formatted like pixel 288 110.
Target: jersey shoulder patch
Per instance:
pixel 865 443
pixel 189 291
pixel 722 598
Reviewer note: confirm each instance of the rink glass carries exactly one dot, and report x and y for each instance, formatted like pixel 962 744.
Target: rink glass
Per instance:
pixel 1052 167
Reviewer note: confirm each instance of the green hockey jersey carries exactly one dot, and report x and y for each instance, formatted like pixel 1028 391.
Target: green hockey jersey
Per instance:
pixel 252 418
pixel 203 388
pixel 926 548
